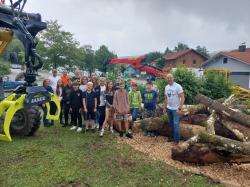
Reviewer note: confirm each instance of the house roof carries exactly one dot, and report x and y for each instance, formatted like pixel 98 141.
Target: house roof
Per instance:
pixel 175 55
pixel 242 56
pixel 235 54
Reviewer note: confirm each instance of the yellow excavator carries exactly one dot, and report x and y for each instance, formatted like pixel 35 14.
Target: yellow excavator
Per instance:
pixel 20 110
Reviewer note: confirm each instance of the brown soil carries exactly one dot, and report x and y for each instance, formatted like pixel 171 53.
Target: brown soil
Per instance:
pixel 159 149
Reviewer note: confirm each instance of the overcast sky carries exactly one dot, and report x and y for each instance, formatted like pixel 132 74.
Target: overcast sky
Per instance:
pixel 135 27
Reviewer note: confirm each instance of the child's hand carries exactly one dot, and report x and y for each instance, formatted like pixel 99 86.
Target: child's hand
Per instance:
pixel 94 109
pixel 85 110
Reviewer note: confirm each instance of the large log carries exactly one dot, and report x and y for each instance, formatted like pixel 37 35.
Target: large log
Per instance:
pixel 224 110
pixel 209 148
pixel 160 125
pixel 195 119
pixel 237 133
pixel 225 144
pixel 202 154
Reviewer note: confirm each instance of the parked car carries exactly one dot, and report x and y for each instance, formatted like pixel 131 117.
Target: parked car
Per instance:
pixel 15 66
pixel 9 85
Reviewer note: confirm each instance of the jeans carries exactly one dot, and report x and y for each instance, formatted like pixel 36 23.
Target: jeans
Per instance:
pixel 45 121
pixel 135 113
pixel 174 123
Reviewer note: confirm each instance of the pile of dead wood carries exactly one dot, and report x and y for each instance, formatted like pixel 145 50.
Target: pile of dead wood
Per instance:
pixel 213 130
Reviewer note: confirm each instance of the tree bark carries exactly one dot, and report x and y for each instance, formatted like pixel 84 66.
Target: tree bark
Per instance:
pixel 223 110
pixel 202 154
pixel 210 123
pixel 160 125
pixel 225 144
pixel 237 133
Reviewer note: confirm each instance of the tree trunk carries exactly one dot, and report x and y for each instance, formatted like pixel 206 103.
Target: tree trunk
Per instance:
pixel 210 123
pixel 160 125
pixel 194 109
pixel 202 154
pixel 225 144
pixel 237 133
pixel 223 110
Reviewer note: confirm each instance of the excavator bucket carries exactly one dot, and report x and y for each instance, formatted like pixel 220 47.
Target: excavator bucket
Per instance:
pixel 5 38
pixel 9 106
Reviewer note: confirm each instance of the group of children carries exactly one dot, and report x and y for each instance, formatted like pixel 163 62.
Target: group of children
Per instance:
pixel 101 104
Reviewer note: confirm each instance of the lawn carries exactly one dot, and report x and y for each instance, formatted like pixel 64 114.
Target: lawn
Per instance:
pixel 56 156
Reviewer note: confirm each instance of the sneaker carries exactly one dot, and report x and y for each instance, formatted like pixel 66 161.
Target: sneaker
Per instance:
pixel 79 129
pixel 73 128
pixel 97 125
pixel 111 130
pixel 101 133
pixel 129 135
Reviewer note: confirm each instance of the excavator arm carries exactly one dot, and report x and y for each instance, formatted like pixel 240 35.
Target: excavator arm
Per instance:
pixel 25 26
pixel 138 64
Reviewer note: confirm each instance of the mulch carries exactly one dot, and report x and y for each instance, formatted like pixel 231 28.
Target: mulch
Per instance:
pixel 158 148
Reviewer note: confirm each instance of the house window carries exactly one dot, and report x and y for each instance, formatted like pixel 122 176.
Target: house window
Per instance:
pixel 184 61
pixel 194 61
pixel 224 60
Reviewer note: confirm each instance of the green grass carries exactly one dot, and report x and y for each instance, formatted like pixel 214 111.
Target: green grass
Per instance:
pixel 58 156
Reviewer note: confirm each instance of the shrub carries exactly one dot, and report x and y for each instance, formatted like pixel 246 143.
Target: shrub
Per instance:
pixel 216 85
pixel 141 88
pixel 190 83
pixel 161 84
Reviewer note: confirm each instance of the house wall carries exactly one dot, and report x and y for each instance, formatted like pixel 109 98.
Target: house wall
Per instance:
pixel 189 59
pixel 241 79
pixel 231 65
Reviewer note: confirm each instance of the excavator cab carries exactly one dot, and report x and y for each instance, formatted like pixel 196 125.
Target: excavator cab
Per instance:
pixel 19 111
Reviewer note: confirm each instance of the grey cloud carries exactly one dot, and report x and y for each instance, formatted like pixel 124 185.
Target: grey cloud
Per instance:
pixel 134 27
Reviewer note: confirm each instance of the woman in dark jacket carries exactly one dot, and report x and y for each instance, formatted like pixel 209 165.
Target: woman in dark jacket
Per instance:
pixel 66 102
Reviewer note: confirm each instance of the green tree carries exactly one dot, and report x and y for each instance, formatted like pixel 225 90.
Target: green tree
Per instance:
pixel 58 47
pixel 191 84
pixel 161 84
pixel 17 47
pixel 180 47
pixel 203 50
pixel 216 85
pixel 102 58
pixel 4 67
pixel 152 56
pixel 161 62
pixel 89 58
pixel 167 51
